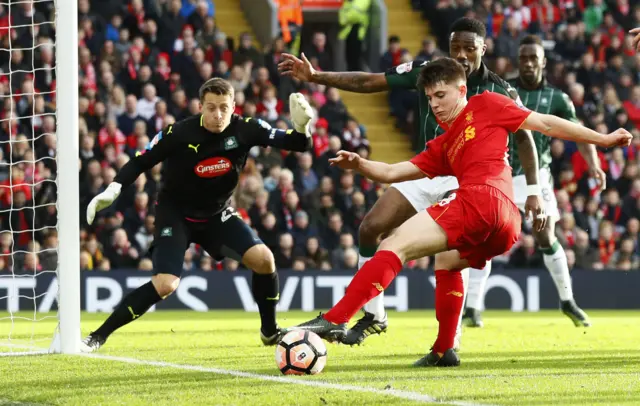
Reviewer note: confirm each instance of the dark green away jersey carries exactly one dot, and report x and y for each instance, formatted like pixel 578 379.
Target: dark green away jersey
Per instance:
pixel 405 76
pixel 545 99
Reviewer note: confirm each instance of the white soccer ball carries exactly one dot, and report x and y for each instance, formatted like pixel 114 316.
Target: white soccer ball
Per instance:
pixel 301 352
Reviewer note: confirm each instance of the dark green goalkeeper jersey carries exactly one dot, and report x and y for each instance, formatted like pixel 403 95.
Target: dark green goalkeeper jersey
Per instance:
pixel 405 76
pixel 545 99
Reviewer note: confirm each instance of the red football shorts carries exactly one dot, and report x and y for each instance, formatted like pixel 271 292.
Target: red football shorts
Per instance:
pixel 480 222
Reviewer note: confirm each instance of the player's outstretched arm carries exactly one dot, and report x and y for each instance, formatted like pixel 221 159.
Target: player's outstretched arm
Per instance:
pixel 589 153
pixel 377 171
pixel 157 151
pixel 297 139
pixel 557 127
pixel 358 82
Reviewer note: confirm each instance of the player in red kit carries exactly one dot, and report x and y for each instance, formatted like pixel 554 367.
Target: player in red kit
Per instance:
pixel 475 223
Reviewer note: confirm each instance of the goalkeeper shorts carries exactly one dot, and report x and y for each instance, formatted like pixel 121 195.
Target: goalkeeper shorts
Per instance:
pixel 222 235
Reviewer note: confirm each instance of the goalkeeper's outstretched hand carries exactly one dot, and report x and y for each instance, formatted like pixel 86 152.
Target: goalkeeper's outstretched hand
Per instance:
pixel 103 200
pixel 301 113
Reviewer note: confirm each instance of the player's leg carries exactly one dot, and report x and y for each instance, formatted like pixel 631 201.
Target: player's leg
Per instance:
pixel 229 236
pixel 392 209
pixel 555 259
pixel 170 241
pixel 265 287
pixel 474 305
pixel 449 300
pixel 418 237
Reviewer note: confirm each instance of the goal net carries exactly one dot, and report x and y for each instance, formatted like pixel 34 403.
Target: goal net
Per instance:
pixel 39 215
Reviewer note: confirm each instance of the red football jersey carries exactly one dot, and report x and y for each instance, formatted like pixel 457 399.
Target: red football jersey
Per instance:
pixel 475 148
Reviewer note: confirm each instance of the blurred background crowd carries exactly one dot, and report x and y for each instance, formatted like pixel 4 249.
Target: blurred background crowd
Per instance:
pixel 141 64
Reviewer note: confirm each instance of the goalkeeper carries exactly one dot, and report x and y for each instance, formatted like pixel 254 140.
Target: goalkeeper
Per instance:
pixel 202 157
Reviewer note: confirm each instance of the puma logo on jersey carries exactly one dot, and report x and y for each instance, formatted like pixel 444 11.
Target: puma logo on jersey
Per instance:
pixel 194 147
pixel 378 286
pixel 454 293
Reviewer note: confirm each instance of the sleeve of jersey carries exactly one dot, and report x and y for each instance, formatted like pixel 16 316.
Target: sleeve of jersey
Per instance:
pixel 404 76
pixel 259 132
pixel 432 161
pixel 158 149
pixel 568 110
pixel 505 112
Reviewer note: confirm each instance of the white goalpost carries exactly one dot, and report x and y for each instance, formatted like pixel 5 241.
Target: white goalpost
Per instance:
pixel 23 299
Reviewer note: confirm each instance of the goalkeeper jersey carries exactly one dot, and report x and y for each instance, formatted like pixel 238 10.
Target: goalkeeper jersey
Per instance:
pixel 201 169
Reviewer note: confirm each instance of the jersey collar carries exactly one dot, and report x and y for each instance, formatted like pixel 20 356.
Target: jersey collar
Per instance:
pixel 479 77
pixel 541 86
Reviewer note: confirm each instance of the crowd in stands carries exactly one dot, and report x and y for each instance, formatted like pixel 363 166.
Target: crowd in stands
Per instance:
pixel 591 58
pixel 141 63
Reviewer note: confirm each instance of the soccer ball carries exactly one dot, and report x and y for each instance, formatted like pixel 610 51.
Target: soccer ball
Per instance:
pixel 301 352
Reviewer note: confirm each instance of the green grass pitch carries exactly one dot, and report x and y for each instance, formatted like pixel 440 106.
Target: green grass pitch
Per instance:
pixel 523 359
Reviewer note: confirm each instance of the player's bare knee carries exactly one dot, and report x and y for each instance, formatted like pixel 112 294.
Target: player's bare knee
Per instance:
pixel 259 259
pixel 165 284
pixel 370 230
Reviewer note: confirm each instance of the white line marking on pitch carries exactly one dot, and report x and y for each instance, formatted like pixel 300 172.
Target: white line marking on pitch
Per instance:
pixel 401 394
pixel 413 396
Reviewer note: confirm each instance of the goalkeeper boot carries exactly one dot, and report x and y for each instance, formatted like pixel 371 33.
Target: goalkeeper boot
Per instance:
pixel 576 314
pixel 272 339
pixel 472 318
pixel 91 343
pixel 364 327
pixel 447 359
pixel 323 328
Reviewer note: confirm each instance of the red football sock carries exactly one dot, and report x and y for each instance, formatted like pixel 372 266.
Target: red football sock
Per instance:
pixel 449 299
pixel 369 281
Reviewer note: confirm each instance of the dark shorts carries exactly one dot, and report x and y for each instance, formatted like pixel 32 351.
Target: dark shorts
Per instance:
pixel 222 235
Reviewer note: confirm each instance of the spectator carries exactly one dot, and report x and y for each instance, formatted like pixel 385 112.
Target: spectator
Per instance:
pixel 121 253
pixel 315 255
pixel 509 42
pixel 625 258
pixel 526 255
pixel 247 52
pixel 333 231
pixel 284 255
pixel 302 230
pixel 586 255
pixel 393 55
pixel 338 254
pixel 319 51
pixel 334 111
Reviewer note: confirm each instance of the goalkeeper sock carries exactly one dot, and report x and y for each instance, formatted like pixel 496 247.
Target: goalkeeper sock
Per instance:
pixel 266 293
pixel 448 300
pixel 555 260
pixel 373 278
pixel 134 305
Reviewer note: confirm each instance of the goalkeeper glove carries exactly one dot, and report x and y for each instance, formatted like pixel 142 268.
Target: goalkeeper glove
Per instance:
pixel 103 200
pixel 301 113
